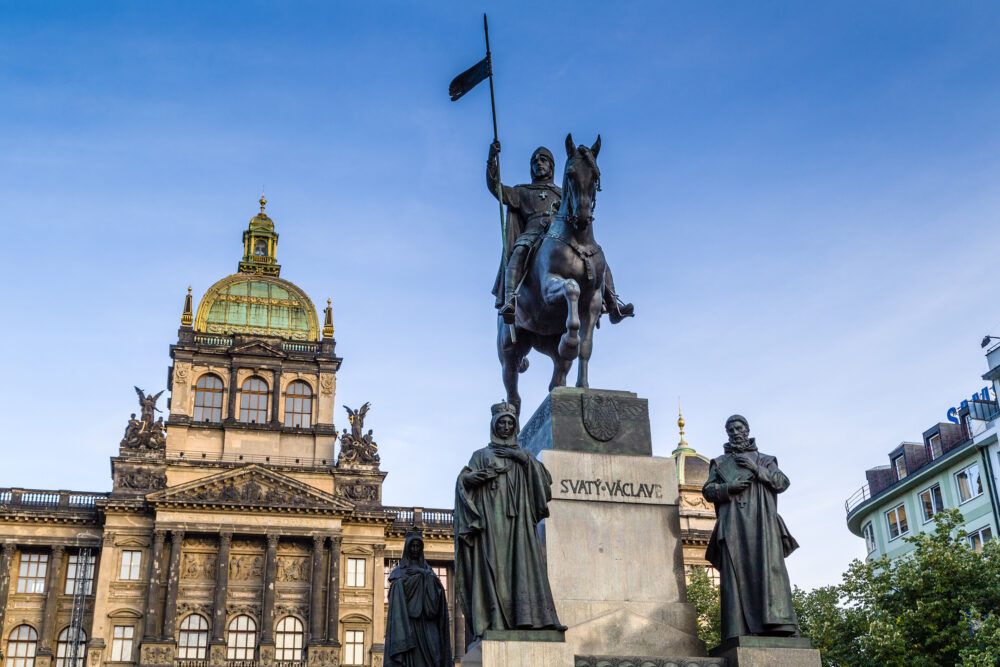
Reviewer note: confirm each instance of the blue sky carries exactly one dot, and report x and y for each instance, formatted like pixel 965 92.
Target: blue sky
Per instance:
pixel 801 199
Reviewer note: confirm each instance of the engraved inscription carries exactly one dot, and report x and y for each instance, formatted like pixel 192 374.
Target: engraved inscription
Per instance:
pixel 600 488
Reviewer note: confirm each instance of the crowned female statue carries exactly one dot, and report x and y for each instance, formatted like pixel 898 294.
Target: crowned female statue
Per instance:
pixel 416 627
pixel 500 497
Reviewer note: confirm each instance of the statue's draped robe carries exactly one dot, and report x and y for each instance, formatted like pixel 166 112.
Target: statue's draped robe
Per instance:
pixel 748 547
pixel 416 626
pixel 500 576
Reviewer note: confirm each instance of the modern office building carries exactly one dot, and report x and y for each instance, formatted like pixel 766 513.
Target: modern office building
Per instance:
pixel 954 464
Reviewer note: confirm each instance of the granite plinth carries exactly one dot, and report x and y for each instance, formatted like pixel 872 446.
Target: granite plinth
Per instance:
pixel 757 651
pixel 493 653
pixel 644 661
pixel 596 421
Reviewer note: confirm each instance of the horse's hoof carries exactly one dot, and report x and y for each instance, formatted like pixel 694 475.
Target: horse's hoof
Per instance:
pixel 523 366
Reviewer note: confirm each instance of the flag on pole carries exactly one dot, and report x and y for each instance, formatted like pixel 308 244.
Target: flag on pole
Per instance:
pixel 469 79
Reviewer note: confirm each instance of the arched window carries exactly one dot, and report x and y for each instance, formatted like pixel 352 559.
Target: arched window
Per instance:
pixel 208 399
pixel 63 652
pixel 21 643
pixel 288 639
pixel 253 401
pixel 192 644
pixel 242 640
pixel 298 405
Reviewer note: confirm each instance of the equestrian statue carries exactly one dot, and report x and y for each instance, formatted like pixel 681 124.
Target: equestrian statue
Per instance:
pixel 554 282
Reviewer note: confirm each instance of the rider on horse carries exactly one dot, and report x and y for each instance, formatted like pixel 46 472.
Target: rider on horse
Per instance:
pixel 530 208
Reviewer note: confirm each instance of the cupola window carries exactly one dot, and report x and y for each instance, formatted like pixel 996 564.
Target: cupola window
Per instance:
pixel 298 405
pixel 253 401
pixel 208 399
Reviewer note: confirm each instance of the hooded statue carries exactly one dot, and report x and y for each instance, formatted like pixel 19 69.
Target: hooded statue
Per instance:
pixel 416 626
pixel 750 541
pixel 500 577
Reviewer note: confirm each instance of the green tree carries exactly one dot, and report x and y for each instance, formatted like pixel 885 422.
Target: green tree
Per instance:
pixel 937 606
pixel 703 593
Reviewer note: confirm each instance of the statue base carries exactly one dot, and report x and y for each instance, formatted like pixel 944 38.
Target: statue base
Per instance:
pixel 519 648
pixel 768 652
pixel 612 539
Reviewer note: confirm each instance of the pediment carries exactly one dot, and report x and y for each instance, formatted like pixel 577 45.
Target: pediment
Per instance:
pixel 250 486
pixel 258 348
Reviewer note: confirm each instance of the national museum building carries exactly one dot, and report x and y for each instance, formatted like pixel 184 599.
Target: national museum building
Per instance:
pixel 234 534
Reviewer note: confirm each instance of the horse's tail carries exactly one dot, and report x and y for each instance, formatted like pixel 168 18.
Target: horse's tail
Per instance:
pixel 523 365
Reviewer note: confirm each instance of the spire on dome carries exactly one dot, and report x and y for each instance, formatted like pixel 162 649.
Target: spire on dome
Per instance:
pixel 328 320
pixel 682 446
pixel 187 317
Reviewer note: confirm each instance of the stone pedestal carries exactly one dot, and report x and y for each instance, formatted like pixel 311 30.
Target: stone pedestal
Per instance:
pixel 768 652
pixel 612 539
pixel 519 648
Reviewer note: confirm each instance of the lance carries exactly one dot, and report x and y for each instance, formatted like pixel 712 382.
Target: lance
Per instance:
pixel 496 138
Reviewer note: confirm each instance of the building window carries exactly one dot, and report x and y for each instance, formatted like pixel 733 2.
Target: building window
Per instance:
pixel 356 572
pixel 969 483
pixel 242 640
pixel 869 533
pixel 354 647
pixel 897 522
pixel 208 399
pixel 192 643
pixel 253 401
pixel 931 502
pixel 442 573
pixel 298 405
pixel 288 639
pixel 121 643
pixel 31 573
pixel 390 565
pixel 63 646
pixel 934 445
pixel 76 567
pixel 131 562
pixel 21 644
pixel 980 537
pixel 899 465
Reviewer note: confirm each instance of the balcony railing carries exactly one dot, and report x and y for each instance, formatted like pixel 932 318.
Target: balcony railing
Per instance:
pixel 435 518
pixel 298 346
pixel 189 662
pixel 213 339
pixel 14 499
pixel 858 497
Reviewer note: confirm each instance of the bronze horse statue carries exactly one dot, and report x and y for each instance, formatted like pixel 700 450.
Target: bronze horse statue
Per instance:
pixel 559 301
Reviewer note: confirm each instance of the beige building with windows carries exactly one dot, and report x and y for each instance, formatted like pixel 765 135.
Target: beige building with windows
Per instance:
pixel 235 534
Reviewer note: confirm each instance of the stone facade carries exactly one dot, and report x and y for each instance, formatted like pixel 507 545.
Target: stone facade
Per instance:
pixel 239 541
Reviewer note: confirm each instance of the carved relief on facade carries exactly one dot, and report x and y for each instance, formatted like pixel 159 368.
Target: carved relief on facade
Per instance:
pixel 294 568
pixel 185 608
pixel 245 568
pixel 696 502
pixel 157 654
pixel 140 479
pixel 326 383
pixel 323 655
pixel 198 566
pixel 248 608
pixel 250 487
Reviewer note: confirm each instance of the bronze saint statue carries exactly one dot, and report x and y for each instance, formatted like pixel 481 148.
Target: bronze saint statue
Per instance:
pixel 530 208
pixel 416 625
pixel 561 293
pixel 750 541
pixel 500 577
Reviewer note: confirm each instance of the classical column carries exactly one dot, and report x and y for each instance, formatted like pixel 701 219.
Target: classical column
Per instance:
pixel 275 396
pixel 5 560
pixel 153 607
pixel 51 600
pixel 378 606
pixel 270 575
pixel 221 588
pixel 333 593
pixel 316 592
pixel 173 579
pixel 231 405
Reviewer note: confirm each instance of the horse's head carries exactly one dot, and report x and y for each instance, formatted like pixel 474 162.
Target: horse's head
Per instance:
pixel 581 183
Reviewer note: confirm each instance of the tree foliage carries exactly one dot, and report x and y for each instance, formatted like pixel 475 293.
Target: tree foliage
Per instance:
pixel 703 593
pixel 936 606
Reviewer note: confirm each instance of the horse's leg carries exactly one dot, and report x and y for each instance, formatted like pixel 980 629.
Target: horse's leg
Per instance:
pixel 549 346
pixel 511 355
pixel 588 320
pixel 566 288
